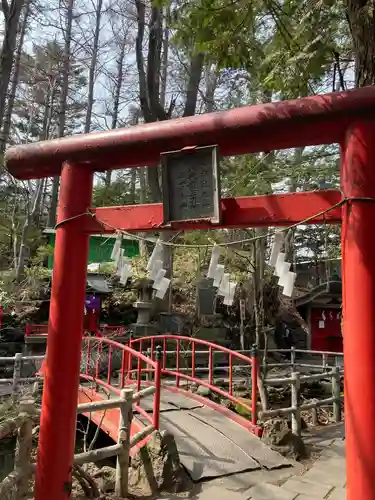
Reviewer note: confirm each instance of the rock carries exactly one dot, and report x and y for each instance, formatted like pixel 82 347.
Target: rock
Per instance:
pixel 106 478
pixel 275 431
pixel 241 385
pixel 219 382
pixel 204 391
pixel 326 387
pixel 279 437
pixel 227 403
pixel 156 467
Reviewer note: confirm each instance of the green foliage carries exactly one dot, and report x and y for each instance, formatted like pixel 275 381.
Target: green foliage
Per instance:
pixel 37 104
pixel 286 47
pixel 42 253
pixel 119 192
pixel 34 286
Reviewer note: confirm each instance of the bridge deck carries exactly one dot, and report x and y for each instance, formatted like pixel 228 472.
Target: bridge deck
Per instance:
pixel 209 443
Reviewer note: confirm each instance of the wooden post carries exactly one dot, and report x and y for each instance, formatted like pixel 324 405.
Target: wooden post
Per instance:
pixel 23 450
pixel 296 415
pixel 314 415
pixel 336 393
pixel 122 466
pixel 254 383
pixel 16 375
pixel 293 357
pixel 325 362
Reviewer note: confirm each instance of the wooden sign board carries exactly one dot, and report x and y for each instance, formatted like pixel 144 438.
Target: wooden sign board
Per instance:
pixel 191 185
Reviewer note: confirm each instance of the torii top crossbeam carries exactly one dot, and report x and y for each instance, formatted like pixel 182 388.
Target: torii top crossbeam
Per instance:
pixel 346 118
pixel 315 120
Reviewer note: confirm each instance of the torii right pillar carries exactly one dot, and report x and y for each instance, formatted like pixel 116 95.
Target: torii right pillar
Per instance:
pixel 358 270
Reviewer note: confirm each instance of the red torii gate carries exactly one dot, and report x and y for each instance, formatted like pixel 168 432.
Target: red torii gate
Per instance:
pixel 346 118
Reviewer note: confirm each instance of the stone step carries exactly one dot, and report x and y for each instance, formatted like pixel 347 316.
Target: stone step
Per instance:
pixel 211 493
pixel 307 497
pixel 265 491
pixel 304 486
pixel 330 473
pixel 337 494
pixel 216 493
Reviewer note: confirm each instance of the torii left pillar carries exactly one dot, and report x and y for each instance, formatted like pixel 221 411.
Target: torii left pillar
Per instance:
pixel 60 394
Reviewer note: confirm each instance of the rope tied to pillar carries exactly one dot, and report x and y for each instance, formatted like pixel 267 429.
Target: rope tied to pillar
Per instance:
pixel 74 217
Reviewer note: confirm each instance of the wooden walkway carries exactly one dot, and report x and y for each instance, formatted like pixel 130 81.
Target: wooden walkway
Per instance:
pixel 209 443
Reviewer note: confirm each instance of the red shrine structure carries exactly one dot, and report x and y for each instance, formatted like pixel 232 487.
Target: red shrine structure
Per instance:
pixel 344 118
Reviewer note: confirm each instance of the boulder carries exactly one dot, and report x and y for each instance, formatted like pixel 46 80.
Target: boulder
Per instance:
pixel 204 391
pixel 105 479
pixel 156 467
pixel 279 437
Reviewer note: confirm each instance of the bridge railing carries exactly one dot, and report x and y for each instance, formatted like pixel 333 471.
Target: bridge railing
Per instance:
pixel 108 364
pixel 160 345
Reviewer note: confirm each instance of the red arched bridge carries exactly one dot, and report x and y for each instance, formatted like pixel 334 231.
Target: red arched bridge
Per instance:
pixel 212 439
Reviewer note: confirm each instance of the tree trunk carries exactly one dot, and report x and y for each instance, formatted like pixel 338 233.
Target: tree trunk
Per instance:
pixel 12 93
pixel 62 106
pixel 165 60
pixel 195 74
pixel 289 240
pixel 133 180
pixel 12 13
pixel 143 199
pixel 361 18
pixel 116 101
pixel 92 70
pixel 211 76
pixel 21 262
pixel 152 101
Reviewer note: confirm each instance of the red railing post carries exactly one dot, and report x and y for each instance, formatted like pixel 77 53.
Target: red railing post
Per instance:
pixel 124 368
pixel 139 371
pixel 152 348
pixel 148 371
pixel 230 374
pixel 210 365
pixel 97 362
pixel 164 353
pixel 254 383
pixel 109 372
pixel 157 382
pixel 177 362
pixel 88 358
pixel 193 360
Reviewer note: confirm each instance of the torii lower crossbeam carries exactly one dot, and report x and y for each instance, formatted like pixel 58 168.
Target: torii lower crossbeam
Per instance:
pixel 244 212
pixel 345 118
